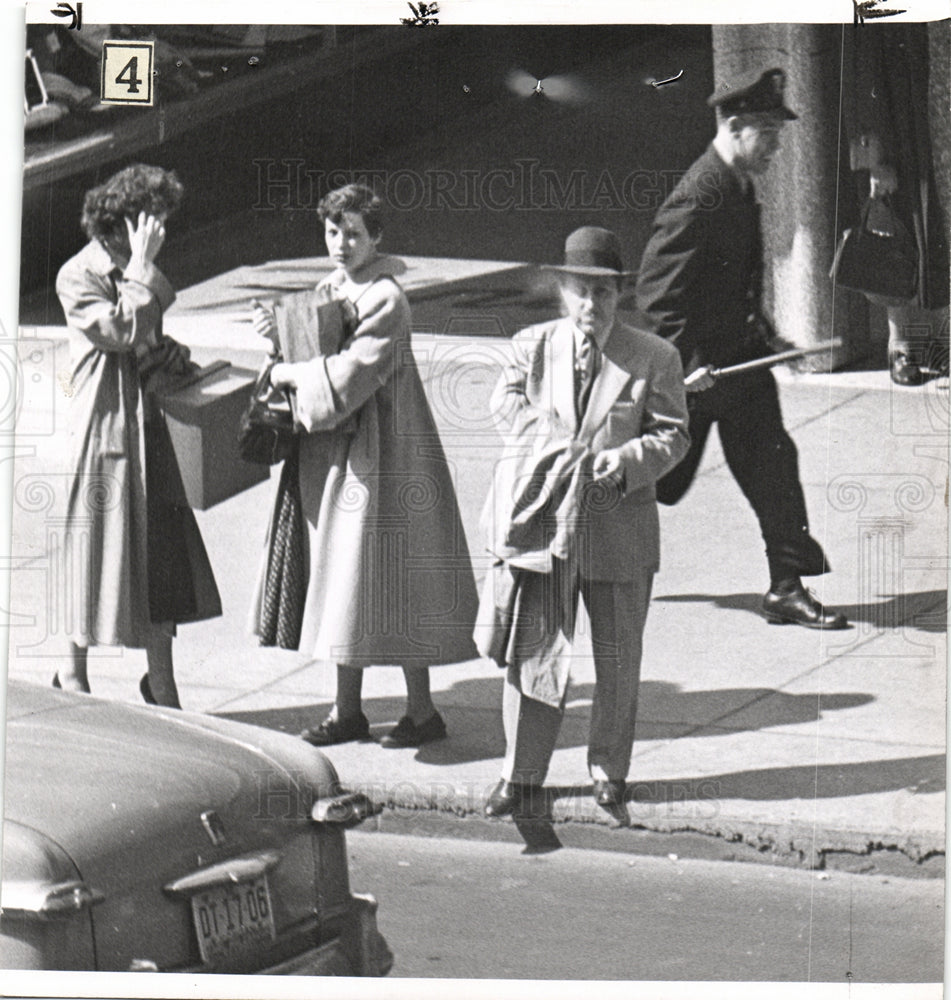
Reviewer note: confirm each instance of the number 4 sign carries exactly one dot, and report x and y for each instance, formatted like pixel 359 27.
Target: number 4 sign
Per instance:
pixel 127 72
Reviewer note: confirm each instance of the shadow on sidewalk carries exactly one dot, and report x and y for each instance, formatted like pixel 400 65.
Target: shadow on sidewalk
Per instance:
pixel 920 775
pixel 472 709
pixel 926 610
pixel 646 799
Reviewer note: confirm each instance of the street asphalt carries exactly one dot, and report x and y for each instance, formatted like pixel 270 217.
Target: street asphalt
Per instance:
pixel 777 742
pixel 457 909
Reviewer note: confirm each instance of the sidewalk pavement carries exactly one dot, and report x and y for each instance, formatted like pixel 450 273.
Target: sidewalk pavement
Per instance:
pixel 791 743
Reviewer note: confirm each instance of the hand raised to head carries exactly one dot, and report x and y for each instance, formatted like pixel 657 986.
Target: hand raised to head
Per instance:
pixel 146 237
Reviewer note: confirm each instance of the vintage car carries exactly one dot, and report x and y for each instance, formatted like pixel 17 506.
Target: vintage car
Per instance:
pixel 149 839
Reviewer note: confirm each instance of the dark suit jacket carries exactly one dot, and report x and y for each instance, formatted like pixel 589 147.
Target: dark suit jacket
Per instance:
pixel 637 405
pixel 700 276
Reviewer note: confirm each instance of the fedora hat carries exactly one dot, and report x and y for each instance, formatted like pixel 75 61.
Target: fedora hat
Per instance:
pixel 592 250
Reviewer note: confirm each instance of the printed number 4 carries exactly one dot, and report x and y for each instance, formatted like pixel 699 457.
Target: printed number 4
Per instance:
pixel 129 75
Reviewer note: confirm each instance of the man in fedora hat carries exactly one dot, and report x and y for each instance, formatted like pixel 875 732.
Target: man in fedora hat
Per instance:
pixel 699 286
pixel 592 412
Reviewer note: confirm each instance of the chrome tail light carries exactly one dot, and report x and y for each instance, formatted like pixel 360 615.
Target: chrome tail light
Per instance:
pixel 345 810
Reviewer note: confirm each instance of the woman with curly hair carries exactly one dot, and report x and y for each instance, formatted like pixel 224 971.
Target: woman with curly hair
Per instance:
pixel 137 564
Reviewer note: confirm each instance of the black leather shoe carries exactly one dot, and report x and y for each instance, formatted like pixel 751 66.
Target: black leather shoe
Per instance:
pixel 609 792
pixel 799 607
pixel 332 731
pixel 505 798
pixel 407 734
pixel 903 370
pixel 56 683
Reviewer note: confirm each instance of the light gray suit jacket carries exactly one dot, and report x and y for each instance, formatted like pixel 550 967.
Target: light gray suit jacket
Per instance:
pixel 637 405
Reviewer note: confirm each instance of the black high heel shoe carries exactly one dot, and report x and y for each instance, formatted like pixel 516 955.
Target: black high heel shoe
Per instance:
pixel 145 689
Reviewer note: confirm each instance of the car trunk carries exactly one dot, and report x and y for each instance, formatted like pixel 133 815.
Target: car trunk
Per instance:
pixel 209 798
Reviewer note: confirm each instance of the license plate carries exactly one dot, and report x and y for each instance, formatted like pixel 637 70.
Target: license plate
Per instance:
pixel 231 920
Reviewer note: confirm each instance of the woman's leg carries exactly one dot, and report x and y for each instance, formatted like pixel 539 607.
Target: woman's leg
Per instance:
pixel 419 702
pixel 74 677
pixel 349 687
pixel 161 675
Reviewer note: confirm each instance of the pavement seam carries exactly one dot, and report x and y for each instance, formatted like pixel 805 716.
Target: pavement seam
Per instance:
pixel 222 706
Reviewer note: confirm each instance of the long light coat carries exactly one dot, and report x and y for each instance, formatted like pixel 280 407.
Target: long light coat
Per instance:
pixel 390 578
pixel 114 318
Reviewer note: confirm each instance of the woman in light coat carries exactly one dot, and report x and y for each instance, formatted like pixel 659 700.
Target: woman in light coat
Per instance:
pixel 136 558
pixel 390 580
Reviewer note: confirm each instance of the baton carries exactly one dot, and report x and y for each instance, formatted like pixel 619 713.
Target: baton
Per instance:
pixel 775 359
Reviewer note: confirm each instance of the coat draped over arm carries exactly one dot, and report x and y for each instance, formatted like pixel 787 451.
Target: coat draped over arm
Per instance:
pixel 547 520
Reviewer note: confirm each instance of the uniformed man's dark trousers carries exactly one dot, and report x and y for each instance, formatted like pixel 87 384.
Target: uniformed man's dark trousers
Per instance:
pixel 763 459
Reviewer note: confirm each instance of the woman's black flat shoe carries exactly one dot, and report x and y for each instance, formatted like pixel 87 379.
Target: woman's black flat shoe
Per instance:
pixel 332 731
pixel 407 734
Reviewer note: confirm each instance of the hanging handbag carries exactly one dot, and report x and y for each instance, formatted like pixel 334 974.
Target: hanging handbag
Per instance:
pixel 879 257
pixel 308 326
pixel 267 432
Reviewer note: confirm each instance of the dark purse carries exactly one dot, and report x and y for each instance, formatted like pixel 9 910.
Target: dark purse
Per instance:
pixel 879 257
pixel 308 325
pixel 267 433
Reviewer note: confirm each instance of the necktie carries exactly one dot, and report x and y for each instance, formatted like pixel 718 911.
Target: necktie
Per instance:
pixel 586 371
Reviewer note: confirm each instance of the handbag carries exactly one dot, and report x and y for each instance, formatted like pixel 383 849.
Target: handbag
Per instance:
pixel 308 326
pixel 879 257
pixel 267 433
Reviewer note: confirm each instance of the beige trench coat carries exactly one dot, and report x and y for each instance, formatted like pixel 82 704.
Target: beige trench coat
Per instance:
pixel 112 593
pixel 390 578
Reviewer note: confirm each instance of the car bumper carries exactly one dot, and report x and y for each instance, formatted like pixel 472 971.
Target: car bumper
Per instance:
pixel 360 950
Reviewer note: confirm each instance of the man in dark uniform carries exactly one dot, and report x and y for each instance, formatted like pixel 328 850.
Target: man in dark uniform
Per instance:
pixel 699 286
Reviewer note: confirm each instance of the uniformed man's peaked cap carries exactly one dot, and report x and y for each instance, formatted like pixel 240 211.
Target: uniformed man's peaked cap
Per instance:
pixel 756 92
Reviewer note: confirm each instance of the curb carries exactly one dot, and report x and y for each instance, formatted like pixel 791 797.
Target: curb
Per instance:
pixel 575 821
